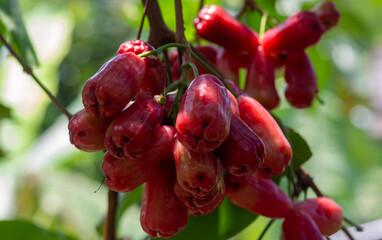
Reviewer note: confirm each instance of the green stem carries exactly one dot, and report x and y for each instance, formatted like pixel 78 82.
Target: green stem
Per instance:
pixel 194 69
pixel 212 71
pixel 263 23
pixel 171 87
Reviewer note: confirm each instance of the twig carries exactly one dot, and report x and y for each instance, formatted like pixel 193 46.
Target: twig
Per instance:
pixel 110 226
pixel 29 71
pixel 358 227
pixel 251 5
pixel 142 20
pixel 347 233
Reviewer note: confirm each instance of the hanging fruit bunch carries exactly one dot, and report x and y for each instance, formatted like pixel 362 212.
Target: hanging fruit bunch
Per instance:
pixel 199 138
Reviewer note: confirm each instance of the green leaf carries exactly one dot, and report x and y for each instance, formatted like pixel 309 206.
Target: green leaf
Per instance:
pixel 225 222
pixel 22 229
pixel 301 149
pixel 11 18
pixel 5 112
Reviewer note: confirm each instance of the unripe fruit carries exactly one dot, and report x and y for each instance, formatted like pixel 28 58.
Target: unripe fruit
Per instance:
pixel 325 212
pixel 154 80
pixel 214 24
pixel 302 81
pixel 162 212
pixel 261 196
pixel 129 135
pixel 196 173
pixel 86 132
pixel 260 82
pixel 279 151
pixel 294 34
pixel 108 92
pixel 243 151
pixel 126 174
pixel 299 226
pixel 327 13
pixel 204 115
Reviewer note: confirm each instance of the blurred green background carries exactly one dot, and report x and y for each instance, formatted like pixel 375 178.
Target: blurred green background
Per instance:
pixel 49 184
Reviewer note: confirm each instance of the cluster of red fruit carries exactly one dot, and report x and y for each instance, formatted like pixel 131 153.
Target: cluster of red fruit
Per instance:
pixel 182 167
pixel 308 219
pixel 281 46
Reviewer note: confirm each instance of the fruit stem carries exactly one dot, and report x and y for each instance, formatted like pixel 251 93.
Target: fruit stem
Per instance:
pixel 194 68
pixel 263 22
pixel 214 72
pixel 29 71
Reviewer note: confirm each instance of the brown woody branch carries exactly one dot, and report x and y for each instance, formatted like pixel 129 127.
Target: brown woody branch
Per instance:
pixel 110 222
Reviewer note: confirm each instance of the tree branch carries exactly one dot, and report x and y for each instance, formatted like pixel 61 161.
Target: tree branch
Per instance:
pixel 29 71
pixel 110 226
pixel 160 34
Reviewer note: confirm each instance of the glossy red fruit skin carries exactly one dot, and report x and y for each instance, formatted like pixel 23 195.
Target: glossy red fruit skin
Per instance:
pixel 243 151
pixel 196 173
pixel 154 80
pixel 108 92
pixel 299 226
pixel 328 14
pixel 214 24
pixel 135 46
pixel 126 174
pixel 162 213
pixel 129 135
pixel 294 34
pixel 204 115
pixel 230 62
pixel 208 51
pixel 325 212
pixel 301 80
pixel 261 196
pixel 203 205
pixel 260 82
pixel 279 151
pixel 234 105
pixel 86 132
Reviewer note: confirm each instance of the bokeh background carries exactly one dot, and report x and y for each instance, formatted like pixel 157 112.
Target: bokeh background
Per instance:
pixel 47 184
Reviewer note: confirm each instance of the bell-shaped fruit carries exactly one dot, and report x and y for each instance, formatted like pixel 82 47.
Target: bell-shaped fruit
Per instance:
pixel 86 132
pixel 204 115
pixel 278 150
pixel 299 226
pixel 162 213
pixel 107 93
pixel 325 212
pixel 126 174
pixel 301 80
pixel 261 196
pixel 243 151
pixel 129 135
